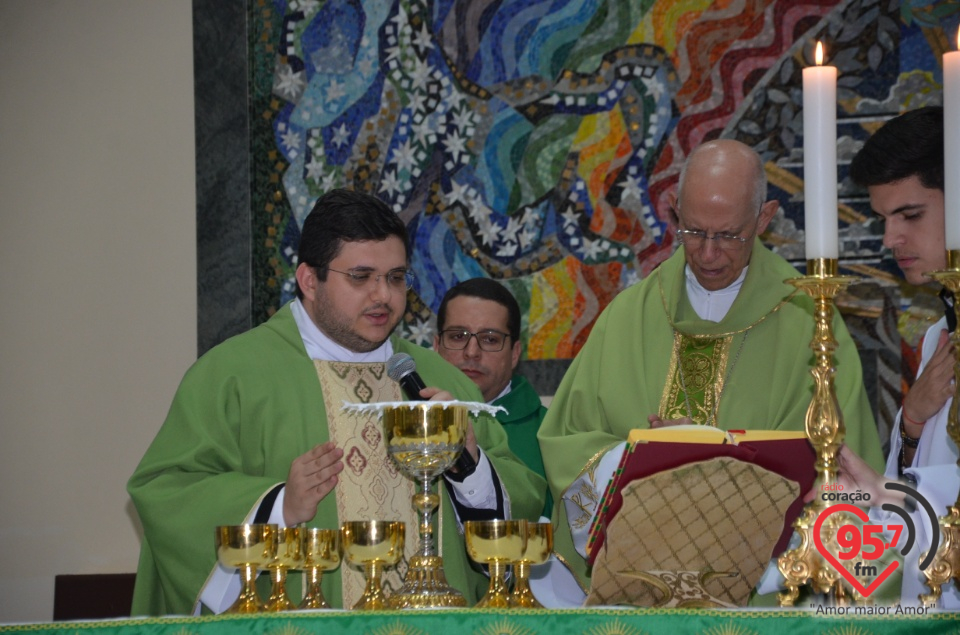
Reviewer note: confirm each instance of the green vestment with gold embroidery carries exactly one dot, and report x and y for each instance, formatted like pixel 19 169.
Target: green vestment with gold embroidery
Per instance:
pixel 242 413
pixel 649 353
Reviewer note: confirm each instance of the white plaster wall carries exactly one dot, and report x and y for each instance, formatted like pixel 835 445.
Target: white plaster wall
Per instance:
pixel 97 275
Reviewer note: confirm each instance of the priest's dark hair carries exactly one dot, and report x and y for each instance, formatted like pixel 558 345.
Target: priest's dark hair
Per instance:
pixel 341 216
pixel 908 145
pixel 485 289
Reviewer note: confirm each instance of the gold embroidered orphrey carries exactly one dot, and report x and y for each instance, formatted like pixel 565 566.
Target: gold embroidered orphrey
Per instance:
pixel 696 376
pixel 584 494
pixel 370 486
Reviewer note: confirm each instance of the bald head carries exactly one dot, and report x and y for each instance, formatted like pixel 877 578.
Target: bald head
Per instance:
pixel 720 204
pixel 729 167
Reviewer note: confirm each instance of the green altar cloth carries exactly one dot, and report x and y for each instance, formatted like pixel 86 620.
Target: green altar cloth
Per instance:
pixel 532 622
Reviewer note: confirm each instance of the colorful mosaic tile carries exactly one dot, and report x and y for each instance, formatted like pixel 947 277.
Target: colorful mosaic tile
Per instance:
pixel 536 142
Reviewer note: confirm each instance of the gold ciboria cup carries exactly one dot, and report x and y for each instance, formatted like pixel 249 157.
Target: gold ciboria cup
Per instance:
pixel 247 548
pixel 497 544
pixel 825 430
pixel 425 438
pixel 372 545
pixel 946 563
pixel 537 549
pixel 287 554
pixel 321 552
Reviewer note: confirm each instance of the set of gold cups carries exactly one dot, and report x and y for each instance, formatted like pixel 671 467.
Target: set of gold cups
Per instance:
pixel 502 543
pixel 251 548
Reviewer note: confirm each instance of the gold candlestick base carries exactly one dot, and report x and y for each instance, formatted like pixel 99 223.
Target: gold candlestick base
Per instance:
pixel 825 430
pixel 946 562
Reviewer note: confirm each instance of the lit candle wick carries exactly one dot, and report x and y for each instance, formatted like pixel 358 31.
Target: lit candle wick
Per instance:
pixel 820 159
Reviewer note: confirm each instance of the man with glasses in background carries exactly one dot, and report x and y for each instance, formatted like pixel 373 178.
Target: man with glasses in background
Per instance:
pixel 256 432
pixel 713 336
pixel 478 331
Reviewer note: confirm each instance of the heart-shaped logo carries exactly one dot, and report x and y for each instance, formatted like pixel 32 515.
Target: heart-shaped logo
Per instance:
pixel 849 577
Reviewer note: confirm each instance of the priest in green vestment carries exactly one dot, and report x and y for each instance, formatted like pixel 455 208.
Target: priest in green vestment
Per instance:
pixel 478 331
pixel 257 432
pixel 713 336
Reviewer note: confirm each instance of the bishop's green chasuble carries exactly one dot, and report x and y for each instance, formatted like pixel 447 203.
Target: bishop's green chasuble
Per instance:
pixel 649 353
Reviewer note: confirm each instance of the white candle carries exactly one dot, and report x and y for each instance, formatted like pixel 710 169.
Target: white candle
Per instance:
pixel 951 145
pixel 820 159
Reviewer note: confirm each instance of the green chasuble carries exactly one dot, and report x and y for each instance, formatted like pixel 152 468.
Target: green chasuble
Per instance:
pixel 649 353
pixel 522 420
pixel 243 412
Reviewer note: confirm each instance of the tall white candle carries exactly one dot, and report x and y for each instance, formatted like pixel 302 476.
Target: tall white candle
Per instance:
pixel 951 145
pixel 820 159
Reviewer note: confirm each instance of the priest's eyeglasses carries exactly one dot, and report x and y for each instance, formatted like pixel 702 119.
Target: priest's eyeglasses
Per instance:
pixel 397 279
pixel 457 339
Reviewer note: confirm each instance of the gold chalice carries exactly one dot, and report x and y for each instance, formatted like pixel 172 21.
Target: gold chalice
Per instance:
pixel 496 543
pixel 539 545
pixel 245 547
pixel 321 552
pixel 424 440
pixel 288 554
pixel 372 545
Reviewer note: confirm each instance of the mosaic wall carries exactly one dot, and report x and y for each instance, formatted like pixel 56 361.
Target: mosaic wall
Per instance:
pixel 536 142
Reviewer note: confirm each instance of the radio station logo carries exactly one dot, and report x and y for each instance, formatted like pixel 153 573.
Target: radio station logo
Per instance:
pixel 862 546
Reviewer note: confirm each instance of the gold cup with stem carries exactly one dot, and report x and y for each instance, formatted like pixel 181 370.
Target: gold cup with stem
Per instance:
pixel 496 543
pixel 287 555
pixel 321 552
pixel 425 439
pixel 372 545
pixel 539 546
pixel 246 547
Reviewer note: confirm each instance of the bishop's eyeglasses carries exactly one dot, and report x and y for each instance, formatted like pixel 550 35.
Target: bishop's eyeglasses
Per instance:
pixel 397 279
pixel 457 339
pixel 696 238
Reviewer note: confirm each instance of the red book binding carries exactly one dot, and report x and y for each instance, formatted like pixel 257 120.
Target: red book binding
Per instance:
pixel 788 454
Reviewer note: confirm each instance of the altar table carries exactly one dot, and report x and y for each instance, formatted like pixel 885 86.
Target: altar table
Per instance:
pixel 513 622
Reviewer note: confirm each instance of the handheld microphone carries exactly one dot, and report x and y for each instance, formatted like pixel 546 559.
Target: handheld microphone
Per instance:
pixel 402 369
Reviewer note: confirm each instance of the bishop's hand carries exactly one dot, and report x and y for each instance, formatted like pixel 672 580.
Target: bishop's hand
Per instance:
pixel 656 422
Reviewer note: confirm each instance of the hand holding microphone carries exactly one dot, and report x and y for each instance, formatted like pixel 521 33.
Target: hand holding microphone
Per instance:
pixel 402 369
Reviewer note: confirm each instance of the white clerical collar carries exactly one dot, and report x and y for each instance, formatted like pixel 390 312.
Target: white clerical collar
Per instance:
pixel 712 305
pixel 503 393
pixel 319 346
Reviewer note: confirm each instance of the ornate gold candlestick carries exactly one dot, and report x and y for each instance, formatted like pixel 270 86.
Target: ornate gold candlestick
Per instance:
pixel 946 563
pixel 825 430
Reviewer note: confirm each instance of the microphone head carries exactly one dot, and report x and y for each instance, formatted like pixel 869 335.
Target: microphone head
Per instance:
pixel 399 366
